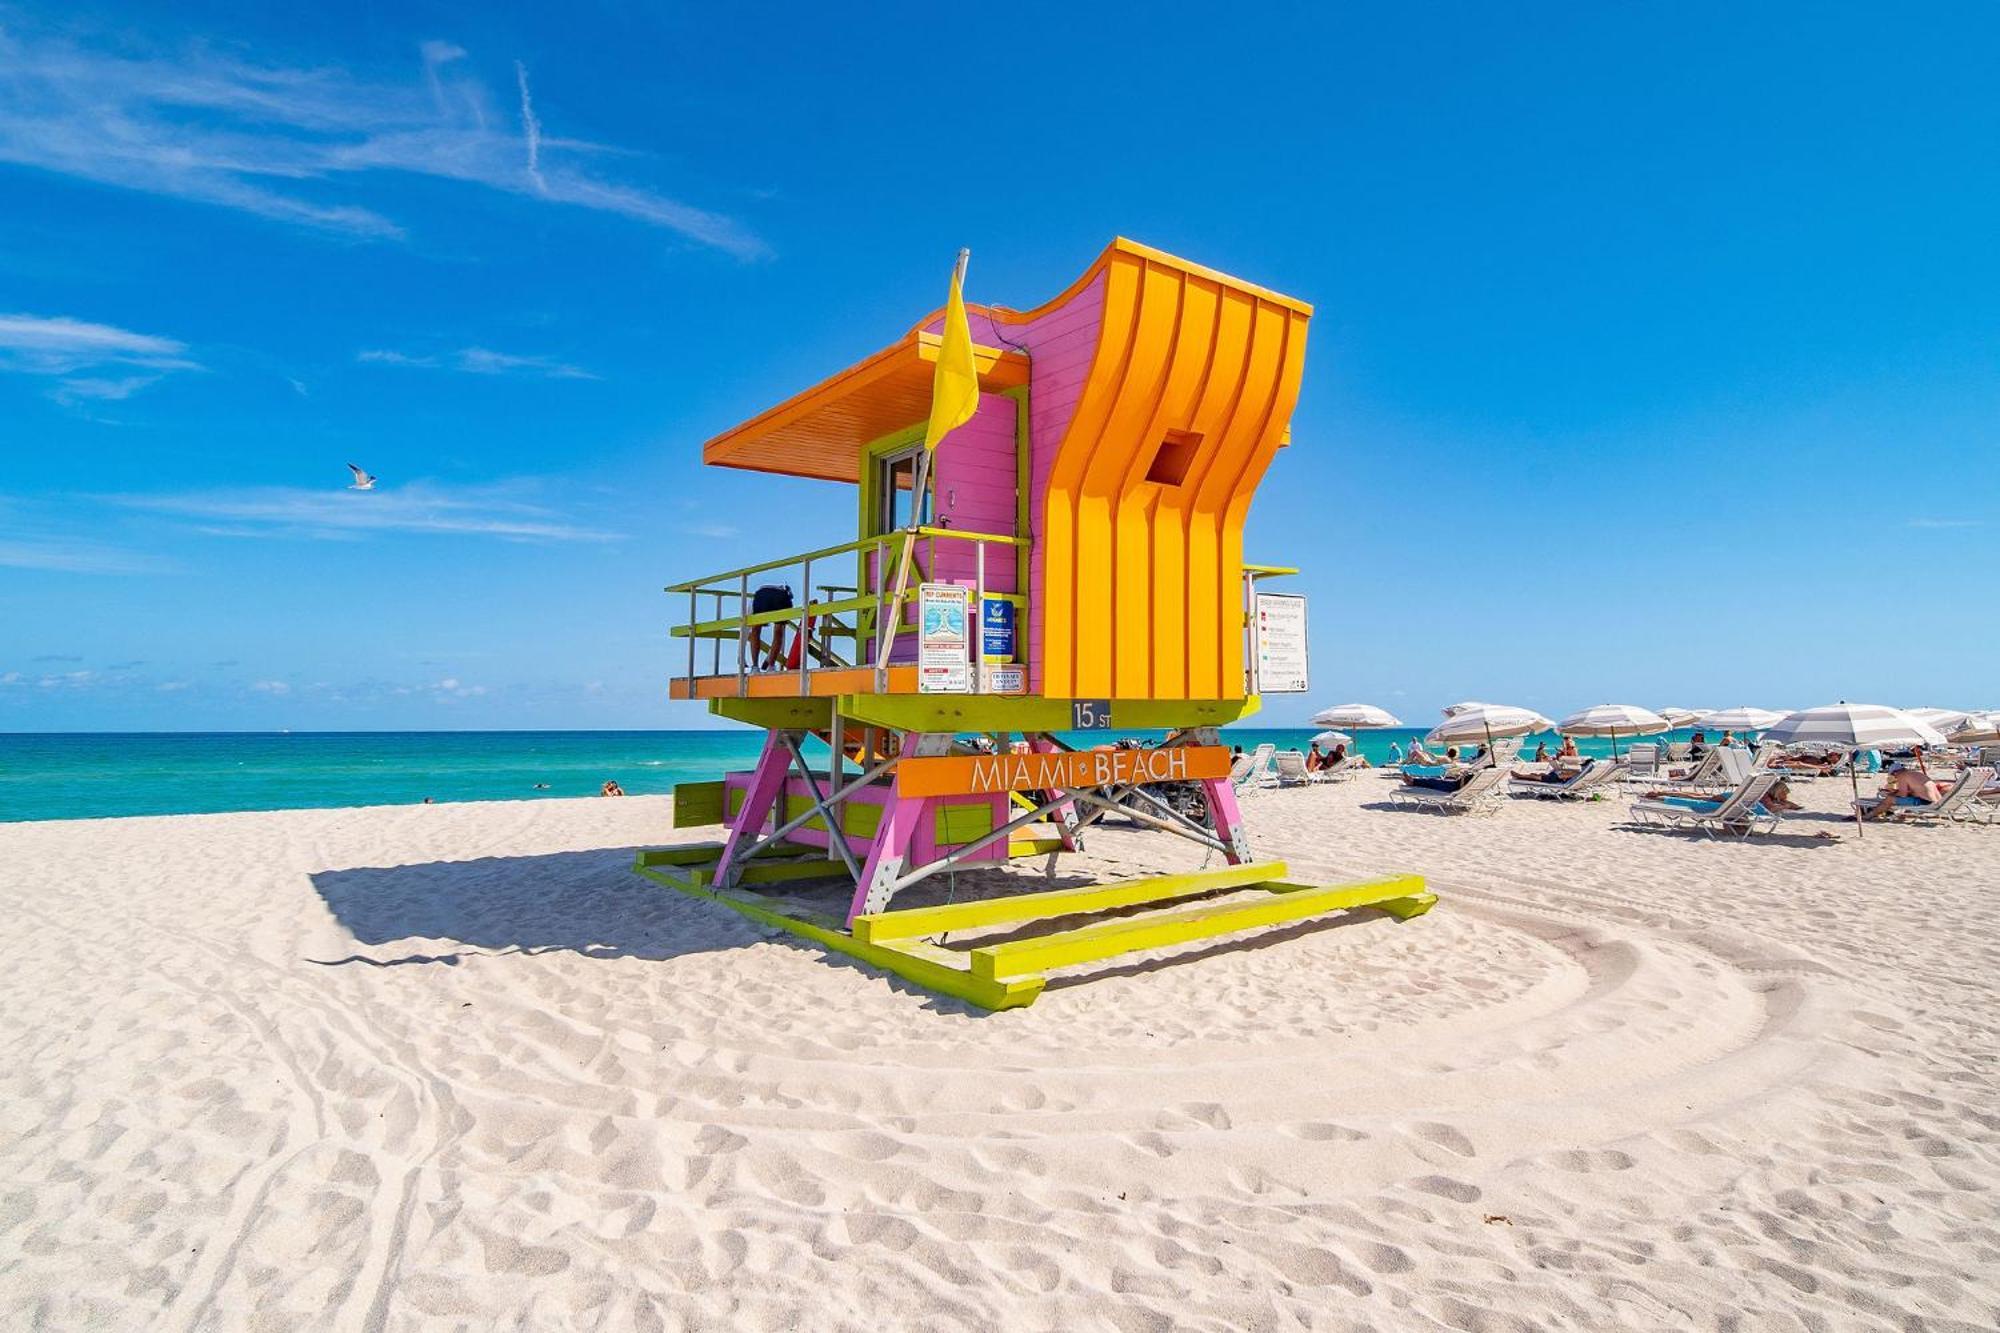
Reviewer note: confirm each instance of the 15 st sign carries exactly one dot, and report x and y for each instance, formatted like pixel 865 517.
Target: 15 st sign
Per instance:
pixel 965 775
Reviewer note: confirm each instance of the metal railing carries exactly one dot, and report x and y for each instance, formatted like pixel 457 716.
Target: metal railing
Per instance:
pixel 875 610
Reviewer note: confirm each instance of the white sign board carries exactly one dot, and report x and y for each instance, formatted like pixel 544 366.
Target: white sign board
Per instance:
pixel 1280 643
pixel 944 645
pixel 1005 679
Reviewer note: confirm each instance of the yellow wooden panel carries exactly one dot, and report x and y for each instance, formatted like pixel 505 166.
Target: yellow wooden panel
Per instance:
pixel 913 922
pixel 697 804
pixel 934 969
pixel 1155 930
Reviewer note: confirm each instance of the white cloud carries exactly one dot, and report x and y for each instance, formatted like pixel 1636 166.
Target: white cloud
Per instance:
pixel 60 345
pixel 275 141
pixel 65 556
pixel 278 511
pixel 531 130
pixel 1944 523
pixel 477 361
pixel 173 686
pixel 272 687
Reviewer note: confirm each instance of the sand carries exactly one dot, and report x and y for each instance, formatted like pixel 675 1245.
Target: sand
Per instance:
pixel 422 1066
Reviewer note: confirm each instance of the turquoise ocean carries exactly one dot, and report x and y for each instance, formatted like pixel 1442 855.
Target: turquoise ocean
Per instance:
pixel 97 775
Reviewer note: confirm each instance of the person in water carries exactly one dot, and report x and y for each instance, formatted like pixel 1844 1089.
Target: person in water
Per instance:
pixel 611 788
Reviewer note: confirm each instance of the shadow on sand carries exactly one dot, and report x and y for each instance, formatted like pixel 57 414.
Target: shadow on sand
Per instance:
pixel 589 903
pixel 594 905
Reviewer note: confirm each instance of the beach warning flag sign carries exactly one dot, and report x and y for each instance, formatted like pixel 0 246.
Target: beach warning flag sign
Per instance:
pixel 955 382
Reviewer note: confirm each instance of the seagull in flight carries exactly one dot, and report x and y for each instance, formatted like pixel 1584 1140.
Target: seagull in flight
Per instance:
pixel 362 480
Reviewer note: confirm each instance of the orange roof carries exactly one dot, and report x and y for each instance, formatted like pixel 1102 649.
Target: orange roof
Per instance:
pixel 820 432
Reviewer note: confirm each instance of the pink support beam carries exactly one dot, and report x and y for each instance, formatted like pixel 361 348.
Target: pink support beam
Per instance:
pixel 901 818
pixel 1228 819
pixel 766 781
pixel 1064 815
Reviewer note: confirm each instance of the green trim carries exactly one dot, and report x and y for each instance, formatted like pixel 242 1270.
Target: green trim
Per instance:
pixel 1023 510
pixel 782 713
pixel 1018 712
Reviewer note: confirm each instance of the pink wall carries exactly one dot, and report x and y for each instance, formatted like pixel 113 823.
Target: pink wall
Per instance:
pixel 975 489
pixel 1062 345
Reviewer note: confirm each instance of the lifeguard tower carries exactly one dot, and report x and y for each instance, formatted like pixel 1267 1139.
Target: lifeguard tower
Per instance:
pixel 1069 558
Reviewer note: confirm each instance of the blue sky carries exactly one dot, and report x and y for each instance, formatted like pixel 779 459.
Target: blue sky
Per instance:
pixel 1655 355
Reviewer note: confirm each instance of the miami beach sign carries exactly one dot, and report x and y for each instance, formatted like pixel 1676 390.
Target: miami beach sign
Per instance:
pixel 965 775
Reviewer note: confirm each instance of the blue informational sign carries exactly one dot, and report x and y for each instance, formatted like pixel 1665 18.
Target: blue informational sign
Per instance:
pixel 996 630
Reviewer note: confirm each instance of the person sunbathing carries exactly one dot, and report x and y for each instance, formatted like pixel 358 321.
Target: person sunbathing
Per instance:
pixel 1904 784
pixel 1817 765
pixel 1448 782
pixel 1554 776
pixel 1778 798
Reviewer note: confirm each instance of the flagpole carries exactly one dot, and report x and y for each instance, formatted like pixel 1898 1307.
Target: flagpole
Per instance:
pixel 922 478
pixel 917 485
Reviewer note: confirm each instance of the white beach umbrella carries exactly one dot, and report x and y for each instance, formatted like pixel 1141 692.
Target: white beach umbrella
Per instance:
pixel 1358 716
pixel 1488 722
pixel 1847 726
pixel 1332 738
pixel 1738 719
pixel 1853 727
pixel 1453 710
pixel 1976 729
pixel 1614 720
pixel 1946 720
pixel 1680 717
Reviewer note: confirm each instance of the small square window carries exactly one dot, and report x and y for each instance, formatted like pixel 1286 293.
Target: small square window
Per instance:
pixel 1173 457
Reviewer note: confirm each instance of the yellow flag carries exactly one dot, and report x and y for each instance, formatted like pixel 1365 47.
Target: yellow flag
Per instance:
pixel 955 382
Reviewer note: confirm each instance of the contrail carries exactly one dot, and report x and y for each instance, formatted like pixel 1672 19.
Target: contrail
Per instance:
pixel 533 129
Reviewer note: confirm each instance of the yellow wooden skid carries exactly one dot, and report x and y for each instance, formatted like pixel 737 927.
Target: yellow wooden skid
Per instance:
pixel 694 853
pixel 913 922
pixel 932 968
pixel 694 866
pixel 1289 902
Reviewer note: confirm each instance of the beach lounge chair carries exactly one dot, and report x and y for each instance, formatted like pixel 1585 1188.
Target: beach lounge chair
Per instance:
pixel 1720 767
pixel 1741 811
pixel 1288 771
pixel 1958 802
pixel 1481 795
pixel 1339 772
pixel 1254 766
pixel 1580 787
pixel 1643 761
pixel 1679 752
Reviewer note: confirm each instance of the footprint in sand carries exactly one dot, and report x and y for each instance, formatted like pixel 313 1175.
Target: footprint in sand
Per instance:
pixel 1458 1191
pixel 1582 1160
pixel 1322 1131
pixel 875 1229
pixel 1444 1136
